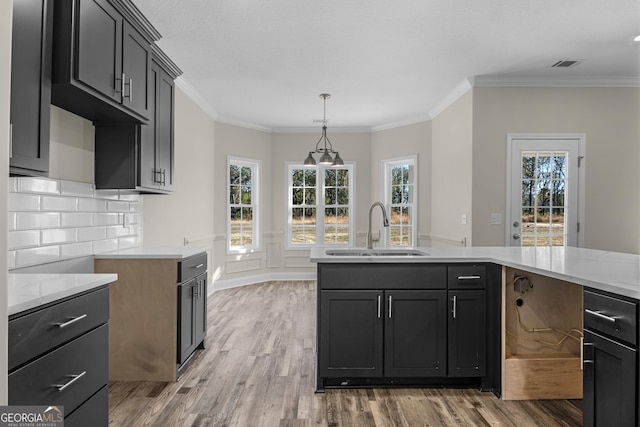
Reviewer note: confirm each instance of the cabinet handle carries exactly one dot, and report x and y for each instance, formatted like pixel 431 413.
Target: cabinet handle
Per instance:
pixel 197 266
pixel 163 177
pixel 379 305
pixel 69 322
pixel 468 277
pixel 390 305
pixel 600 315
pixel 455 303
pixel 74 378
pixel 131 90
pixel 582 359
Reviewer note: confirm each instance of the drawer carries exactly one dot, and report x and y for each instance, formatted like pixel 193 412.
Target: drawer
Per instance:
pixel 94 412
pixel 382 276
pixel 191 267
pixel 38 332
pixel 35 383
pixel 612 316
pixel 466 277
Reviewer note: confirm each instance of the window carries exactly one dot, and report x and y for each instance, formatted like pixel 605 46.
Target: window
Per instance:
pixel 401 181
pixel 320 205
pixel 242 204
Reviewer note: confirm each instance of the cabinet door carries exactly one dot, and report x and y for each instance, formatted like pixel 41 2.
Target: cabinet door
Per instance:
pixel 147 173
pixel 415 334
pixel 609 382
pixel 164 129
pixel 31 84
pixel 186 342
pixel 200 310
pixel 467 333
pixel 136 68
pixel 351 334
pixel 99 47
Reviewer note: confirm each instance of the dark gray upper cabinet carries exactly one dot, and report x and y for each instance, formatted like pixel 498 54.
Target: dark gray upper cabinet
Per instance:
pixel 141 157
pixel 31 87
pixel 102 60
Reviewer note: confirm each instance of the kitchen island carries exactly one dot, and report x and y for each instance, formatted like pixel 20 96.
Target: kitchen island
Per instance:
pixel 538 291
pixel 157 310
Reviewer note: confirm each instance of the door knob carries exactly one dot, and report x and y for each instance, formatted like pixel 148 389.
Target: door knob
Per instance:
pixel 516 236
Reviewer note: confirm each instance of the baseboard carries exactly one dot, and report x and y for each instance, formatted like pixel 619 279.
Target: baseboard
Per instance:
pixel 219 285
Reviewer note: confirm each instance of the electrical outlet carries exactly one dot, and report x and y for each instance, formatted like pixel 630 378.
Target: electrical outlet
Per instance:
pixel 496 219
pixel 463 218
pixel 375 236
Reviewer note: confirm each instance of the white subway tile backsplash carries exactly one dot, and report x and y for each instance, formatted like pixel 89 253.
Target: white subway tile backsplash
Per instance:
pixel 92 205
pixel 100 246
pixel 117 231
pixel 117 206
pixel 38 185
pixel 60 235
pixel 24 202
pixel 76 250
pixel 30 221
pixel 128 242
pixel 34 256
pixel 11 221
pixel 106 219
pixel 23 239
pixel 72 188
pixel 51 203
pixel 49 220
pixel 107 194
pixel 76 219
pixel 92 233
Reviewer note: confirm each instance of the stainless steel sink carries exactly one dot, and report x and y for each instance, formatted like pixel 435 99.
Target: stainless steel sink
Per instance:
pixel 375 252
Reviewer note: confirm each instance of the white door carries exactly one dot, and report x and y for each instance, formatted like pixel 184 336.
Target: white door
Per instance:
pixel 543 191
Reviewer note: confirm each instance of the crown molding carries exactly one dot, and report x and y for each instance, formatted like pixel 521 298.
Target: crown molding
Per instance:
pixel 193 94
pixel 239 123
pixel 530 81
pixel 402 123
pixel 462 88
pixel 318 129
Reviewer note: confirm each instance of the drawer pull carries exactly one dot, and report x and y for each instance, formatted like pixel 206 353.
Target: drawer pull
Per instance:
pixel 74 378
pixel 468 277
pixel 600 315
pixel 197 266
pixel 69 322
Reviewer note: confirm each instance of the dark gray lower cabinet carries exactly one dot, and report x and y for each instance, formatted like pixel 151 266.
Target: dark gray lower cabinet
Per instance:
pixel 192 316
pixel 609 378
pixel 351 338
pixel 467 333
pixel 415 333
pixel 417 324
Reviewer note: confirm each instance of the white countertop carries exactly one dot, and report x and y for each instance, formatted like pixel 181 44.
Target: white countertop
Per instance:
pixel 27 291
pixel 609 271
pixel 157 252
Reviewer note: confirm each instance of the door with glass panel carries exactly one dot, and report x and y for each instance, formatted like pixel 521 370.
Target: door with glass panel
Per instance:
pixel 544 190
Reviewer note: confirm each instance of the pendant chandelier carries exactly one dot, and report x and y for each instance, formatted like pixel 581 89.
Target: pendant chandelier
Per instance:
pixel 324 145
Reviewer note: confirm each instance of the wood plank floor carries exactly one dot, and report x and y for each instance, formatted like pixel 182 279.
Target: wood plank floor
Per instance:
pixel 258 370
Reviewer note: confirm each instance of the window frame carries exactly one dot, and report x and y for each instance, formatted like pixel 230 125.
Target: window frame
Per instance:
pixel 387 165
pixel 255 166
pixel 320 207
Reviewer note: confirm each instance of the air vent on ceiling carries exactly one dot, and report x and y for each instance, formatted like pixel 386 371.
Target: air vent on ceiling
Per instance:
pixel 566 63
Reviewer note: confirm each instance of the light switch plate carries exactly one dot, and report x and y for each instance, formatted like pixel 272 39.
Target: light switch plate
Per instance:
pixel 496 219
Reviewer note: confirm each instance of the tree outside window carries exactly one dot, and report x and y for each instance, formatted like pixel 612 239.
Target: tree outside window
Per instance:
pixel 242 204
pixel 400 198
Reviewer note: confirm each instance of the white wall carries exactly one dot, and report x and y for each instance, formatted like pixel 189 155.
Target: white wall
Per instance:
pixel 6 14
pixel 452 164
pixel 610 119
pixel 414 139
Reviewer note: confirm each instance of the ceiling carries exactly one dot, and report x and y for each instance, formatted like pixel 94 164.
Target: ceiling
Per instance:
pixel 262 64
